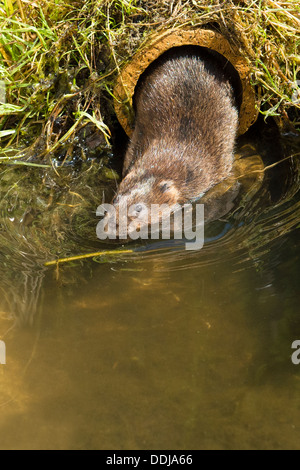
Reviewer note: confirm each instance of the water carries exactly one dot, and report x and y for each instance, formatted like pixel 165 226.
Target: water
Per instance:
pixel 161 349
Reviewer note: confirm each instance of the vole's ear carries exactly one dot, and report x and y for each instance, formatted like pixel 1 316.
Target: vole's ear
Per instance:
pixel 166 185
pixel 189 175
pixel 169 188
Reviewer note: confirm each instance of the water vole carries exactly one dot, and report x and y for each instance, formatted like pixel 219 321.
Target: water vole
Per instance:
pixel 186 122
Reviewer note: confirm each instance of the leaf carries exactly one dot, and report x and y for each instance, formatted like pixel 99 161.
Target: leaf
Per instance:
pixel 6 133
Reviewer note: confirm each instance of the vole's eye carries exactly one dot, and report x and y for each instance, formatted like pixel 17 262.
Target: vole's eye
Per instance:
pixel 138 208
pixel 116 199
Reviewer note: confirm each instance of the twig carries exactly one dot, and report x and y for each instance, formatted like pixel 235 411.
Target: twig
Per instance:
pixel 89 255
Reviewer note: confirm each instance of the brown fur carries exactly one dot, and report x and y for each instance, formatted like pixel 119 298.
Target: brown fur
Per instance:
pixel 185 129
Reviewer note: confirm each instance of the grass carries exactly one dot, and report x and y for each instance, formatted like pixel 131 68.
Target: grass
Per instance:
pixel 47 67
pixel 58 61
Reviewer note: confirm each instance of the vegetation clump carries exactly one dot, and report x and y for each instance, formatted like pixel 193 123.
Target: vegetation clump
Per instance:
pixel 59 59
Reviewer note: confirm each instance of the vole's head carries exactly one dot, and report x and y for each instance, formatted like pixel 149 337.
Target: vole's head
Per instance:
pixel 163 179
pixel 136 203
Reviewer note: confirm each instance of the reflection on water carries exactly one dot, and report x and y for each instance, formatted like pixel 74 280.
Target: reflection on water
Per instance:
pixel 162 349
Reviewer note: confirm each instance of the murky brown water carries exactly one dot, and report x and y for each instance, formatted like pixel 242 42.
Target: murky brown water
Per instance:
pixel 161 350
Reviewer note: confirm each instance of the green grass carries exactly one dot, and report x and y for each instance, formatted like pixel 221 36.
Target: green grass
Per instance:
pixel 59 59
